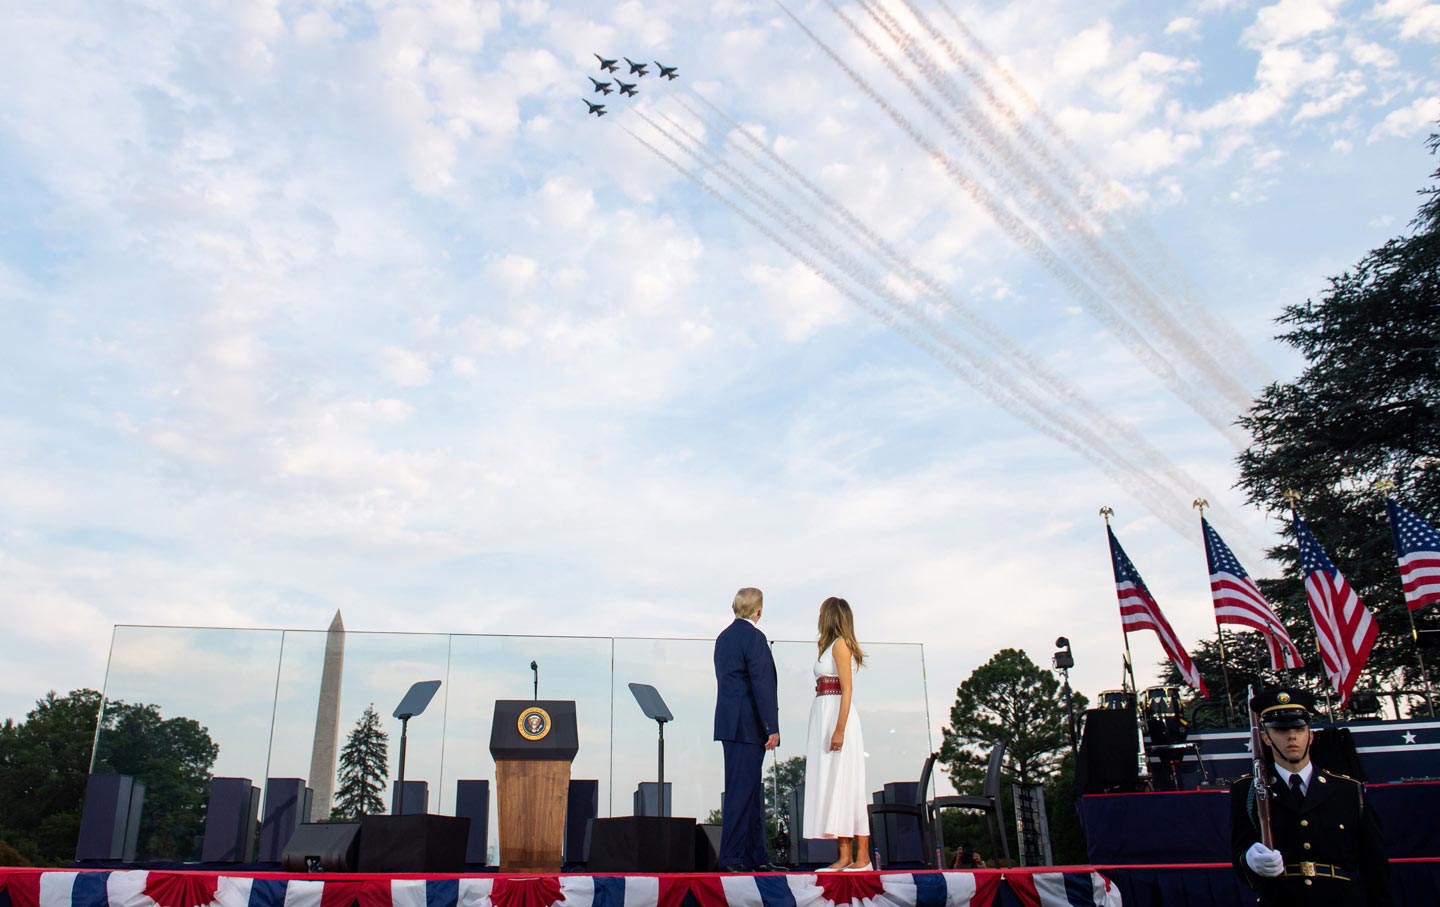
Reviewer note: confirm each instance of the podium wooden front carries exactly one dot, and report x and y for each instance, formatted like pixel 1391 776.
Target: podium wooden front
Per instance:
pixel 533 742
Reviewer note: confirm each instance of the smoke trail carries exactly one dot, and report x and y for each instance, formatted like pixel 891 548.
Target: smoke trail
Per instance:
pixel 1039 413
pixel 1030 241
pixel 1025 368
pixel 1156 263
pixel 1066 223
pixel 1054 397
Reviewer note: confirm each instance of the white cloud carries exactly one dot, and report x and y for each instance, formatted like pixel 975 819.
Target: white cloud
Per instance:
pixel 1183 25
pixel 1415 119
pixel 405 367
pixel 1085 52
pixel 1290 20
pixel 1371 54
pixel 1419 19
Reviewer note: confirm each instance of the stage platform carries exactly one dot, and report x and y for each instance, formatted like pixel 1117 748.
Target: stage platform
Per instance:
pixel 1070 886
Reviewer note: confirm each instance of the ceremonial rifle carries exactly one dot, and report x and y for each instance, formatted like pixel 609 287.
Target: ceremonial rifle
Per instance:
pixel 1261 781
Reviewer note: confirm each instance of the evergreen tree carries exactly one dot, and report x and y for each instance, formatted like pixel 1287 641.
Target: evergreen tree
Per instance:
pixel 1365 410
pixel 364 768
pixel 1009 700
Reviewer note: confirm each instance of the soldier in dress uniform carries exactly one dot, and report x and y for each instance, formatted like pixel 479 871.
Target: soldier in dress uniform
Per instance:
pixel 1328 848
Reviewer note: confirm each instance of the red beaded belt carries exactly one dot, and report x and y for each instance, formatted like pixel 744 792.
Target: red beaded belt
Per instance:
pixel 827 686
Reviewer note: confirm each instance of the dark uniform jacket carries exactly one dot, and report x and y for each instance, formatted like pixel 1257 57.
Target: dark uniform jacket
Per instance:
pixel 1334 829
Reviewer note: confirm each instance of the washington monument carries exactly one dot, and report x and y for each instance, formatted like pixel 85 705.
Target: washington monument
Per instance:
pixel 327 723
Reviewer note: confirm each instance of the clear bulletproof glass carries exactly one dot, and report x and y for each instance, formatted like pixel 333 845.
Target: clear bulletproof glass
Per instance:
pixel 173 693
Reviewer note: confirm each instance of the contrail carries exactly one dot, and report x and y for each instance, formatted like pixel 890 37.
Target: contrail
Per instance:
pixel 1031 242
pixel 1066 221
pixel 1024 367
pixel 1054 397
pixel 977 369
pixel 1154 259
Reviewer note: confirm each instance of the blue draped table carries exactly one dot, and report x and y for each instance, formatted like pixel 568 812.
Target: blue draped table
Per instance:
pixel 1188 827
pixel 1415 883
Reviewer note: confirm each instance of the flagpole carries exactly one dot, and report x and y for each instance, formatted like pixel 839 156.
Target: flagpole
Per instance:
pixel 1200 504
pixel 1293 496
pixel 1385 486
pixel 1424 676
pixel 1143 775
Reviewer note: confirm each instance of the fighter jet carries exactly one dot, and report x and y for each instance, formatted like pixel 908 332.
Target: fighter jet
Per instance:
pixel 636 69
pixel 667 72
pixel 601 87
pixel 597 109
pixel 627 88
pixel 607 65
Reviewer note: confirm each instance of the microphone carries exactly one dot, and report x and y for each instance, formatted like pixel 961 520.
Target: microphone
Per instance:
pixel 535 669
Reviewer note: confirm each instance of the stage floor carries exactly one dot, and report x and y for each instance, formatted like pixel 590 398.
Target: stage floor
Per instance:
pixel 1071 886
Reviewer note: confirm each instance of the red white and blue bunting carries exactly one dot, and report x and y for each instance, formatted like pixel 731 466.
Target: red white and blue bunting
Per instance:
pixel 138 888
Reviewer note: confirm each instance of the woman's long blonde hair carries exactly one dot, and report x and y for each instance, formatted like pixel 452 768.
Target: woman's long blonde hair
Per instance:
pixel 837 622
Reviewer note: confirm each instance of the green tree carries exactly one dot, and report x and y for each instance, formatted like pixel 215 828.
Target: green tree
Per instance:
pixel 44 762
pixel 1008 700
pixel 364 768
pixel 1365 409
pixel 782 779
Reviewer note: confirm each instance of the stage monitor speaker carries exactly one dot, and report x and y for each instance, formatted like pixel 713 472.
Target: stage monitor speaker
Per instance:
pixel 417 798
pixel 105 817
pixel 581 805
pixel 287 804
pixel 230 819
pixel 472 801
pixel 1334 750
pixel 899 841
pixel 642 844
pixel 412 843
pixel 322 847
pixel 646 799
pixel 707 847
pixel 805 851
pixel 1109 751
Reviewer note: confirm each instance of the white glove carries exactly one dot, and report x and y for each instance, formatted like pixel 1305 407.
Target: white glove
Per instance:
pixel 1264 861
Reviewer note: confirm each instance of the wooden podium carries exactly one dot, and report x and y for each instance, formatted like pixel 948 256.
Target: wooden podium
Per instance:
pixel 533 742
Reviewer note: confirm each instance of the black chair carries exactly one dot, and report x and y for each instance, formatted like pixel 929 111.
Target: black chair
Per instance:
pixel 927 812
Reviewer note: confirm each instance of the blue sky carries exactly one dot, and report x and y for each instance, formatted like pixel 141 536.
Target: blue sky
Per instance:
pixel 349 305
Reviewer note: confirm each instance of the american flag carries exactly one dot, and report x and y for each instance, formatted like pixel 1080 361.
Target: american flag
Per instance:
pixel 1238 601
pixel 1418 548
pixel 1344 628
pixel 1138 611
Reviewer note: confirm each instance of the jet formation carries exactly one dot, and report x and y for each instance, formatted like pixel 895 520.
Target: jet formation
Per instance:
pixel 627 89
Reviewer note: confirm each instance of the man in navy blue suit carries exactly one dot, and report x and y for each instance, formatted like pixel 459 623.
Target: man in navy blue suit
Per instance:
pixel 747 723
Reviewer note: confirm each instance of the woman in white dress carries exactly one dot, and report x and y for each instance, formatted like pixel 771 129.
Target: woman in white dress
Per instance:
pixel 835 789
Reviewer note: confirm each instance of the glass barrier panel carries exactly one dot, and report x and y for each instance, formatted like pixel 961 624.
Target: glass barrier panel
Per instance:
pixel 375 670
pixel 255 696
pixel 181 706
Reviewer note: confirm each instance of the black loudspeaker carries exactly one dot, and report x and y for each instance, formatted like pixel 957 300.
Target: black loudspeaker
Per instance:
pixel 805 850
pixel 901 841
pixel 1109 751
pixel 707 847
pixel 110 818
pixel 328 847
pixel 472 801
pixel 1334 750
pixel 581 805
pixel 646 799
pixel 642 844
pixel 413 843
pixel 230 820
pixel 287 804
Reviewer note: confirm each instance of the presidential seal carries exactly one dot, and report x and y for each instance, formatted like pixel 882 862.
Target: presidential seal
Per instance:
pixel 534 723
